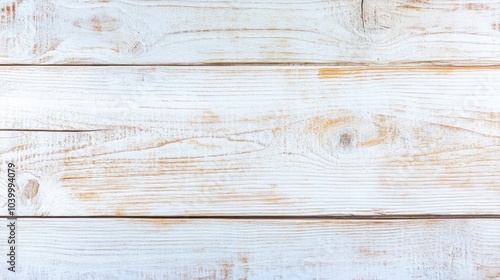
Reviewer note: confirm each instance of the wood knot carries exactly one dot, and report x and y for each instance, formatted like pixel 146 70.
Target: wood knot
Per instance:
pixel 31 189
pixel 345 140
pixel 136 48
pixel 335 135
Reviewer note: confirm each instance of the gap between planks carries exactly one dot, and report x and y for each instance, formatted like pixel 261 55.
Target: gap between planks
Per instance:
pixel 51 130
pixel 281 217
pixel 365 66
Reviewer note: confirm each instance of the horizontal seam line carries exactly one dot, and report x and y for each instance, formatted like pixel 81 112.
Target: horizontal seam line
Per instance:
pixel 326 64
pixel 49 130
pixel 274 217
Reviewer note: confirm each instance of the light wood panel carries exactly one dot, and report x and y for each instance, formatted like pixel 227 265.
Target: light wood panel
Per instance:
pixel 251 140
pixel 247 249
pixel 250 31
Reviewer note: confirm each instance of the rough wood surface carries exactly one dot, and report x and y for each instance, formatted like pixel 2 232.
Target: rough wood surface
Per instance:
pixel 250 31
pixel 251 140
pixel 394 135
pixel 248 249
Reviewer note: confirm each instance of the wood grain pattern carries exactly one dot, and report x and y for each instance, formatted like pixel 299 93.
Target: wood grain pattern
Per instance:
pixel 252 140
pixel 269 145
pixel 250 31
pixel 246 249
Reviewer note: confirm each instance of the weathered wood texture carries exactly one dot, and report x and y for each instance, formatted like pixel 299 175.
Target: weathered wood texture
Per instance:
pixel 251 140
pixel 250 31
pixel 247 249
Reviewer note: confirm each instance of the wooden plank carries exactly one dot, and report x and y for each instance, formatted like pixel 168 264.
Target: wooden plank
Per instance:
pixel 250 31
pixel 251 140
pixel 247 249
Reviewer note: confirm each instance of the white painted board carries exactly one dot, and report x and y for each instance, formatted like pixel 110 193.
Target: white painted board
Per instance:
pixel 375 32
pixel 252 140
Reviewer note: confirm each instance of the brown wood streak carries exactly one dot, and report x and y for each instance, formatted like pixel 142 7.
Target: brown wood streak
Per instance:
pixel 335 72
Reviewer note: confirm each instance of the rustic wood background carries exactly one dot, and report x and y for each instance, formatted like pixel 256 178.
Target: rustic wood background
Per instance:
pixel 252 139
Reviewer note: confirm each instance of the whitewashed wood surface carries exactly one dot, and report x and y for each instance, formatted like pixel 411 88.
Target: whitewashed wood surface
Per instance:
pixel 250 31
pixel 379 117
pixel 248 249
pixel 252 140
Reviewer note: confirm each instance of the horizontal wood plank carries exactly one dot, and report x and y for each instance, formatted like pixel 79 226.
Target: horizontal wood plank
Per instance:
pixel 251 140
pixel 243 31
pixel 247 249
